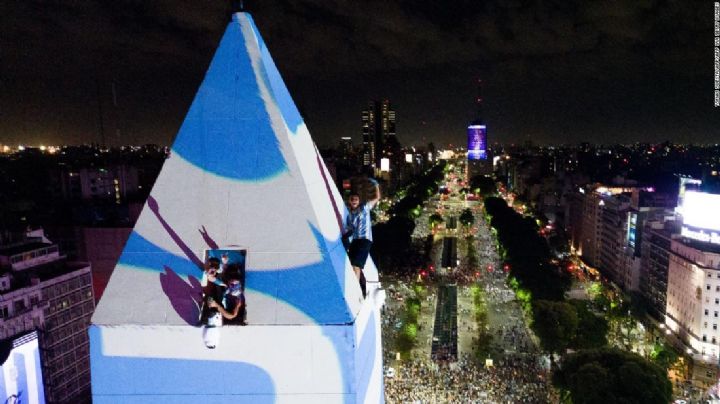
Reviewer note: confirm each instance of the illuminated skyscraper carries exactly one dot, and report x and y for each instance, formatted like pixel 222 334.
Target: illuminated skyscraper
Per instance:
pixel 479 161
pixel 378 130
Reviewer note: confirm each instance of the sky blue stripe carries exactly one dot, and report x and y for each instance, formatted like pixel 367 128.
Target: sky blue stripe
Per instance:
pixel 227 130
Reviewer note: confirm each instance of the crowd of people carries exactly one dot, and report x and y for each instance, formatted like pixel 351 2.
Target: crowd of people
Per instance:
pixel 514 379
pixel 515 335
pixel 517 377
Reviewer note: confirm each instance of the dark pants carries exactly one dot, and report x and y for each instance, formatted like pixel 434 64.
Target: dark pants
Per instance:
pixel 358 254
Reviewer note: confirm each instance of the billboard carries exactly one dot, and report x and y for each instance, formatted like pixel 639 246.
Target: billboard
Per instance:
pixel 685 183
pixel 700 216
pixel 632 229
pixel 477 142
pixel 20 371
pixel 700 210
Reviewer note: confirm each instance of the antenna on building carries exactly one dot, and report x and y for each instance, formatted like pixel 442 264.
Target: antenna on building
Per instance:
pixel 101 123
pixel 237 6
pixel 479 100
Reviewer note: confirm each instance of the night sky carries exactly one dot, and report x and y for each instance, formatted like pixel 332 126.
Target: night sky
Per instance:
pixel 555 71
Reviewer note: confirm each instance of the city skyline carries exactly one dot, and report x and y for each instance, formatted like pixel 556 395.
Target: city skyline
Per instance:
pixel 553 73
pixel 515 273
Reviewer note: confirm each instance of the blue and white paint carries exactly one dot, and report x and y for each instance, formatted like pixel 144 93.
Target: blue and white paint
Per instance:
pixel 243 173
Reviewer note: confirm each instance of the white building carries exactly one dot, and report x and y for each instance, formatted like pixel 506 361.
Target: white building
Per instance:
pixel 693 297
pixel 40 290
pixel 693 294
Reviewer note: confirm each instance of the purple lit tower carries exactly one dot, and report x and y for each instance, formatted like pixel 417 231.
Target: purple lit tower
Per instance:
pixel 479 161
pixel 477 141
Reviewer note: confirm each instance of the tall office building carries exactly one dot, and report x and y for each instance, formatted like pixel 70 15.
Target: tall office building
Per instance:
pixel 656 242
pixel 378 132
pixel 346 146
pixel 42 291
pixel 612 250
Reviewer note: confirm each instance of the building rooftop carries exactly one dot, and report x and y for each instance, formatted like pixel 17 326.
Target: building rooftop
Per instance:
pixel 42 273
pixel 8 251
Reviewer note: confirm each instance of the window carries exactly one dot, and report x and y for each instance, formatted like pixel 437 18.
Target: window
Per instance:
pixel 717 288
pixel 19 305
pixel 706 312
pixel 714 326
pixel 717 301
pixel 704 338
pixel 713 340
pixel 716 314
pixel 707 287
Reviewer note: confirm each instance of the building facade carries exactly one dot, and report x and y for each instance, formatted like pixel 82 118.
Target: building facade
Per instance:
pixel 378 132
pixel 42 291
pixel 656 241
pixel 693 297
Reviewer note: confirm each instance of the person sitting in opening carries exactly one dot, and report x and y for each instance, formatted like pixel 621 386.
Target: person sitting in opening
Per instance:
pixel 359 228
pixel 210 275
pixel 212 291
pixel 233 304
pixel 224 262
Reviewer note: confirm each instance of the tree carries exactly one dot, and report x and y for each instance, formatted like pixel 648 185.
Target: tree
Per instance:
pixel 598 391
pixel 592 329
pixel 555 323
pixel 486 185
pixel 664 356
pixel 467 218
pixel 435 219
pixel 526 252
pixel 610 375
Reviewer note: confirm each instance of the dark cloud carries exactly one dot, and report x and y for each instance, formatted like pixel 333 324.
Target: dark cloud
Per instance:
pixel 555 70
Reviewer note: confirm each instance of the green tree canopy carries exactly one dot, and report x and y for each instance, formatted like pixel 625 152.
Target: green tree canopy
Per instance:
pixel 466 217
pixel 526 251
pixel 435 219
pixel 599 391
pixel 592 329
pixel 486 185
pixel 555 323
pixel 609 375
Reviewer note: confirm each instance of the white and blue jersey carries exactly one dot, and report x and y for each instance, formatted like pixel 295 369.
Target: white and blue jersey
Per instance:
pixel 359 222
